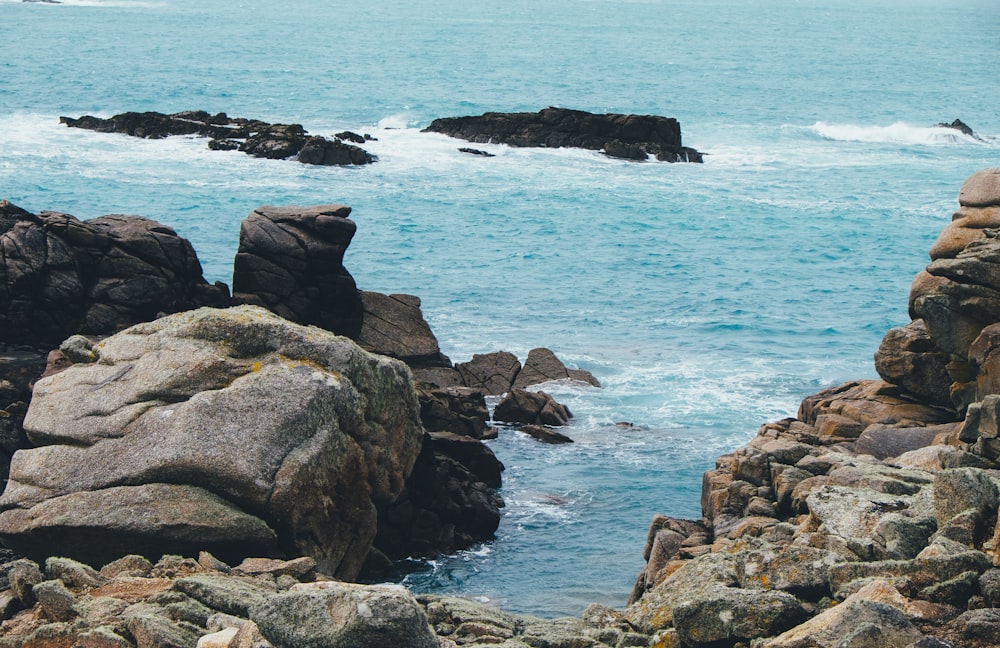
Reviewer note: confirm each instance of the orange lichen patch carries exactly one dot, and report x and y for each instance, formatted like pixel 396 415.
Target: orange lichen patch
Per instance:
pixel 132 589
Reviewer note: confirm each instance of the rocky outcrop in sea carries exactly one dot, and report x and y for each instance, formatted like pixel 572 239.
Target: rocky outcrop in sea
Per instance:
pixel 633 137
pixel 251 136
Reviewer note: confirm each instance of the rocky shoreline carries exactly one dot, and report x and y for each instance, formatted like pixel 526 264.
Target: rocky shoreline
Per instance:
pixel 870 519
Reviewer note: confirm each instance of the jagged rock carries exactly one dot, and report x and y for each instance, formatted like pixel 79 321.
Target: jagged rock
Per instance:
pixel 60 276
pixel 975 629
pixel 23 575
pixel 340 615
pixel 55 600
pixel 290 261
pixel 394 326
pixel 459 410
pixel 450 500
pixel 73 573
pixel 542 365
pixel 254 137
pixel 539 408
pixel 619 135
pixel 251 426
pixel 494 373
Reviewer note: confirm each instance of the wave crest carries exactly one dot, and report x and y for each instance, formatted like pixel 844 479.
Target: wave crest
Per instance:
pixel 897 133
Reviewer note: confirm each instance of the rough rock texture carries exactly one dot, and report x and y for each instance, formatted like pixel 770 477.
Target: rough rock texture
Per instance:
pixel 494 373
pixel 393 325
pixel 626 136
pixel 252 136
pixel 542 365
pixel 60 276
pixel 539 408
pixel 291 261
pixel 261 434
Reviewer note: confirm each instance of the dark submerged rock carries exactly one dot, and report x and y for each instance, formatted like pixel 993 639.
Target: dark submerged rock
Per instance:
pixel 619 135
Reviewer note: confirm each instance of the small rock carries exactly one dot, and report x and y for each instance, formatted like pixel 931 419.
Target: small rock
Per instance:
pixel 73 573
pixel 24 575
pixel 131 565
pixel 55 600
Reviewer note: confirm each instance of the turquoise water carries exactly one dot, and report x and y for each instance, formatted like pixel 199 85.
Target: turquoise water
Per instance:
pixel 707 298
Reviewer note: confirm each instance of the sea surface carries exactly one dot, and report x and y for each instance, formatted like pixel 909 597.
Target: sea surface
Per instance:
pixel 707 299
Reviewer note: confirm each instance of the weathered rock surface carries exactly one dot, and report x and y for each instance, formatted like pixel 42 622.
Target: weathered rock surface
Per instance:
pixel 330 433
pixel 291 261
pixel 60 276
pixel 539 408
pixel 626 136
pixel 542 365
pixel 252 136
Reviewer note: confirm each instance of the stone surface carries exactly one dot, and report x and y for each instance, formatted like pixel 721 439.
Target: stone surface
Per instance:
pixel 393 325
pixel 629 136
pixel 981 189
pixel 493 373
pixel 291 261
pixel 325 432
pixel 340 615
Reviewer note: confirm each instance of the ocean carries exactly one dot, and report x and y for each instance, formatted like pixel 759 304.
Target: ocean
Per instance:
pixel 707 299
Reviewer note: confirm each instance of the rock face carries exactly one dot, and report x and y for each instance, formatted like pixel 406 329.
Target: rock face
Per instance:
pixel 291 261
pixel 625 136
pixel 60 276
pixel 881 495
pixel 938 357
pixel 252 136
pixel 231 430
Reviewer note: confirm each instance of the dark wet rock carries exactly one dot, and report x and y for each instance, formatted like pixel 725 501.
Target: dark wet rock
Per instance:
pixel 619 135
pixel 473 151
pixel 459 410
pixel 544 434
pixel 291 261
pixel 450 500
pixel 60 276
pixel 494 373
pixel 254 137
pixel 961 127
pixel 542 365
pixel 351 137
pixel 522 406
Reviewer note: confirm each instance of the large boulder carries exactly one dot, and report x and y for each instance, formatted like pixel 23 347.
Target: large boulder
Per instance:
pixel 60 276
pixel 289 434
pixel 291 261
pixel 628 136
pixel 394 325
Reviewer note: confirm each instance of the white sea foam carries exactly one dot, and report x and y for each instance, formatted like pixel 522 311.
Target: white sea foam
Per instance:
pixel 897 133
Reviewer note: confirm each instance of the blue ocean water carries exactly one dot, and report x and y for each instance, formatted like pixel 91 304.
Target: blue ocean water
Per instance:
pixel 707 299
